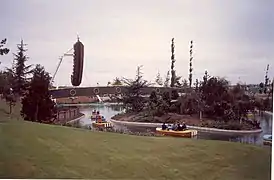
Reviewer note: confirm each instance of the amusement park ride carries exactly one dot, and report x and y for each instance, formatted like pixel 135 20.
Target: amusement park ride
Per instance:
pixel 78 63
pixel 77 52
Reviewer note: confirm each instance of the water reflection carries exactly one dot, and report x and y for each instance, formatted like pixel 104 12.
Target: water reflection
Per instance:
pixel 109 110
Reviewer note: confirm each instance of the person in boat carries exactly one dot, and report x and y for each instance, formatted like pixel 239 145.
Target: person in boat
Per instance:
pixel 103 119
pixel 164 126
pixel 97 115
pixel 180 127
pixel 99 119
pixel 174 127
pixel 93 115
pixel 184 126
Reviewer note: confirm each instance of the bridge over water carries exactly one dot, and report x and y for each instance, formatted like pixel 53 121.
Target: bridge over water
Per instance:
pixel 105 90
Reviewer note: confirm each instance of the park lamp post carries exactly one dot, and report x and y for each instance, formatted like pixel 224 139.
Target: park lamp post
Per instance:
pixel 11 99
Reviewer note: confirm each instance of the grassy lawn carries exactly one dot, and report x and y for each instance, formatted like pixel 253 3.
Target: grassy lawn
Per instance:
pixel 30 150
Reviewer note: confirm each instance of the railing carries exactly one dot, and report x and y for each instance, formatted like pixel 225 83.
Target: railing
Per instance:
pixel 67 114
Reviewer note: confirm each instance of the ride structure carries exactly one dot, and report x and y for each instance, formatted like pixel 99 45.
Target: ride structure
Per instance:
pixel 76 77
pixel 78 63
pixel 77 52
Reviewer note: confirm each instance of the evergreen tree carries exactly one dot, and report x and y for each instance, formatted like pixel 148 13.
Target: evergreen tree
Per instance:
pixel 174 94
pixel 173 75
pixel 20 70
pixel 177 81
pixel 261 85
pixel 184 83
pixel 197 85
pixel 3 50
pixel 133 99
pixel 205 77
pixel 266 79
pixel 117 82
pixel 159 79
pixel 6 80
pixel 190 64
pixel 37 105
pixel 166 83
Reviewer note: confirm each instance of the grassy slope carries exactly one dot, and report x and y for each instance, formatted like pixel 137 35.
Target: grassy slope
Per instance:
pixel 30 150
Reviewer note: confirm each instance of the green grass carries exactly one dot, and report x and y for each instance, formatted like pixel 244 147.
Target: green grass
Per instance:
pixel 30 150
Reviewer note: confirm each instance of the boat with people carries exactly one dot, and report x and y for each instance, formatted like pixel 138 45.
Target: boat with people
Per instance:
pixel 250 115
pixel 176 130
pixel 267 139
pixel 99 121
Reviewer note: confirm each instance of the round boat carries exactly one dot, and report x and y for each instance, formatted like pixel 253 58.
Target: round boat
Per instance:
pixel 267 139
pixel 103 125
pixel 186 133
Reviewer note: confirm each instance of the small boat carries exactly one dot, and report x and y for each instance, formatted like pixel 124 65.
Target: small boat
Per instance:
pixel 102 125
pixel 250 115
pixel 186 133
pixel 267 139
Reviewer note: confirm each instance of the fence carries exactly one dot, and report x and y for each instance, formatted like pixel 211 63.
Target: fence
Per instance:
pixel 66 114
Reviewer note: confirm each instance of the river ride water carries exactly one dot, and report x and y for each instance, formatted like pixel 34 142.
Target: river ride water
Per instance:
pixel 110 110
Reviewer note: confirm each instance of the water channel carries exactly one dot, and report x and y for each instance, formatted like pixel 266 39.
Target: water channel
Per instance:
pixel 109 110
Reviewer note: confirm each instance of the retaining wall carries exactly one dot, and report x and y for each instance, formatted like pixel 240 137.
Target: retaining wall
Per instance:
pixel 202 129
pixel 268 113
pixel 65 115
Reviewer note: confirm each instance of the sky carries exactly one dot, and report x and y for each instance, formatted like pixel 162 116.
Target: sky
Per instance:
pixel 232 39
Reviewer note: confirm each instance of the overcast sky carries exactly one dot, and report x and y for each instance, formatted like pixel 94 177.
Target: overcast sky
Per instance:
pixel 232 38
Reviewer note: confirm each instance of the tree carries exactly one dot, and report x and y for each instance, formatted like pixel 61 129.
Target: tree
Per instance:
pixel 133 100
pixel 261 85
pixel 190 64
pixel 153 97
pixel 167 79
pixel 266 79
pixel 184 83
pixel 3 50
pixel 4 83
pixel 159 79
pixel 173 75
pixel 177 81
pixel 174 94
pixel 37 105
pixel 213 93
pixel 117 82
pixel 20 70
pixel 197 85
pixel 205 77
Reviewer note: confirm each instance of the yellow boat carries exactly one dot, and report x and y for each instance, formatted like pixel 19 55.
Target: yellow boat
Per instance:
pixel 186 133
pixel 267 140
pixel 267 143
pixel 102 125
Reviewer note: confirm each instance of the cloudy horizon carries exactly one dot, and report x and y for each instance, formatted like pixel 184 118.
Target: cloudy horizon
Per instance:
pixel 232 39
